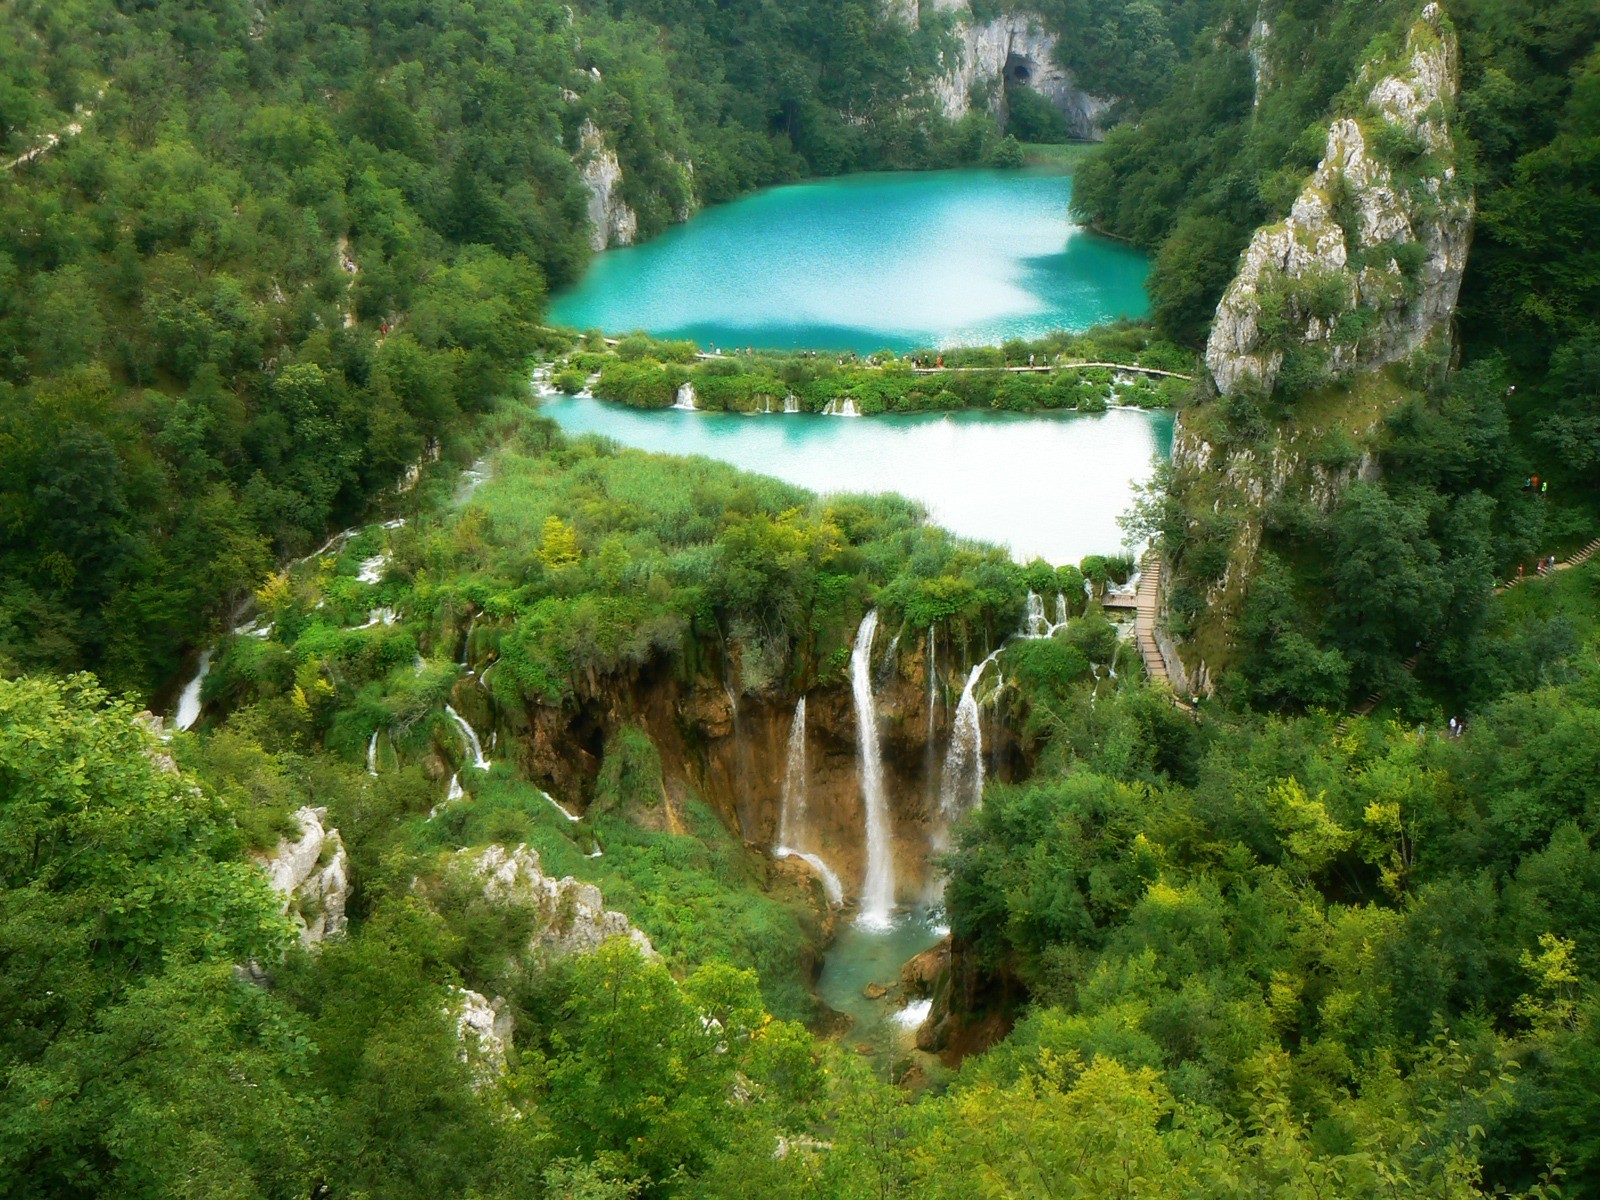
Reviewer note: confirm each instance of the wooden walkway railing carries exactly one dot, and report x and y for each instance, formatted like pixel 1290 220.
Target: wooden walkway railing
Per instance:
pixel 1146 607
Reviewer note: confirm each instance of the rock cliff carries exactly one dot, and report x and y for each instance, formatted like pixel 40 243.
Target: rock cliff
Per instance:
pixel 1013 48
pixel 312 874
pixel 569 917
pixel 1368 263
pixel 611 221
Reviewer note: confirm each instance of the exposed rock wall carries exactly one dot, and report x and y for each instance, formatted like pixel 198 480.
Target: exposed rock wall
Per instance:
pixel 485 1028
pixel 312 874
pixel 570 917
pixel 1015 47
pixel 611 221
pixel 1367 266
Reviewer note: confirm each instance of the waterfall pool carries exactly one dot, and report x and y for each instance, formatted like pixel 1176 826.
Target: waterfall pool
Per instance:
pixel 1049 484
pixel 896 261
pixel 860 957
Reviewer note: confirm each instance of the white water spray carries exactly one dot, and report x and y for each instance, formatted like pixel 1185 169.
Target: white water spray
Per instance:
pixel 793 827
pixel 877 890
pixel 961 785
pixel 685 398
pixel 189 699
pixel 470 736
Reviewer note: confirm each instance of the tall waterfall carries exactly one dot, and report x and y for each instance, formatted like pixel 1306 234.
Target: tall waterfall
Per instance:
pixel 794 833
pixel 961 786
pixel 189 701
pixel 877 890
pixel 1034 623
pixel 470 736
pixel 372 754
pixel 1061 608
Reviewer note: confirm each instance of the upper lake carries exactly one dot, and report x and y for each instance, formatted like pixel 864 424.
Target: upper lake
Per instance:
pixel 869 262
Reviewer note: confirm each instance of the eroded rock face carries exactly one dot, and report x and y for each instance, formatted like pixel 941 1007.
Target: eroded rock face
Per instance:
pixel 570 916
pixel 312 874
pixel 485 1028
pixel 1018 48
pixel 611 221
pixel 1367 266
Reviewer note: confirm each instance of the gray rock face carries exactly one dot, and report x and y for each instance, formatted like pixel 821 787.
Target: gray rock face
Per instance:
pixel 571 917
pixel 611 221
pixel 1018 48
pixel 1367 266
pixel 485 1028
pixel 312 874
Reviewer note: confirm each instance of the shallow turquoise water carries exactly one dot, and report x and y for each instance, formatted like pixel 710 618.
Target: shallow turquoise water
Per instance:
pixel 1048 485
pixel 869 262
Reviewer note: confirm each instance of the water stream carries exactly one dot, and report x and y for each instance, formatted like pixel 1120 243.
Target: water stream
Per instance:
pixel 877 889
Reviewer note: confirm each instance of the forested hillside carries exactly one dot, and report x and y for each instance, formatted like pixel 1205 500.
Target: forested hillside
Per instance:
pixel 262 258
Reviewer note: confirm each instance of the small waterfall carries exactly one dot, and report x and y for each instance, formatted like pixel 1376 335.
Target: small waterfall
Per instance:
pixel 841 408
pixel 1033 624
pixel 791 404
pixel 474 746
pixel 466 646
pixel 793 827
pixel 456 790
pixel 189 699
pixel 961 785
pixel 372 568
pixel 563 810
pixel 372 755
pixel 1061 608
pixel 792 818
pixel 685 399
pixel 877 891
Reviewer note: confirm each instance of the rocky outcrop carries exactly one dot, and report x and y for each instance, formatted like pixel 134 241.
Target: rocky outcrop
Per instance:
pixel 1368 264
pixel 611 221
pixel 569 917
pixel 485 1027
pixel 312 874
pixel 1014 48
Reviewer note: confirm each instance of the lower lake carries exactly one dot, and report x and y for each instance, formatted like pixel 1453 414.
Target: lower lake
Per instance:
pixel 1047 485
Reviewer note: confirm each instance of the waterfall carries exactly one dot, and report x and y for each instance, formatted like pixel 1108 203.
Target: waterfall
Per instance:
pixel 841 408
pixel 189 699
pixel 877 890
pixel 456 790
pixel 372 754
pixel 793 831
pixel 466 645
pixel 563 810
pixel 372 568
pixel 792 818
pixel 474 746
pixel 1033 624
pixel 685 398
pixel 791 404
pixel 961 786
pixel 1061 608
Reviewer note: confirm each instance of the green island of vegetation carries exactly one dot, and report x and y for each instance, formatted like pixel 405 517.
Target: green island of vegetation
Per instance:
pixel 491 848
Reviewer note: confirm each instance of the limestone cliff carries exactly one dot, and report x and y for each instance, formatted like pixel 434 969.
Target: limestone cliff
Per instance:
pixel 611 221
pixel 312 874
pixel 1368 263
pixel 1364 272
pixel 568 917
pixel 1013 48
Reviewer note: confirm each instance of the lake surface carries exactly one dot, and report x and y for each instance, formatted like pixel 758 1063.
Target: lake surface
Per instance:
pixel 1047 485
pixel 869 262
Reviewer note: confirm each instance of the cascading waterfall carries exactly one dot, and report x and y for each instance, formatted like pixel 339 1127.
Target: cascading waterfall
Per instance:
pixel 841 408
pixel 685 398
pixel 1061 608
pixel 961 785
pixel 474 746
pixel 877 891
pixel 791 404
pixel 793 828
pixel 188 711
pixel 372 754
pixel 466 645
pixel 1033 624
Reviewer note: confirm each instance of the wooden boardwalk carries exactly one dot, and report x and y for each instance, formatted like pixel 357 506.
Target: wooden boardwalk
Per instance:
pixel 1146 606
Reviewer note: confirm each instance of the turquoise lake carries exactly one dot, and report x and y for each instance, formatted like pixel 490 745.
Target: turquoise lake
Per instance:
pixel 1047 485
pixel 869 262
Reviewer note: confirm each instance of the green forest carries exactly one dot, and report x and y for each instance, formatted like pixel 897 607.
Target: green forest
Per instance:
pixel 464 876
